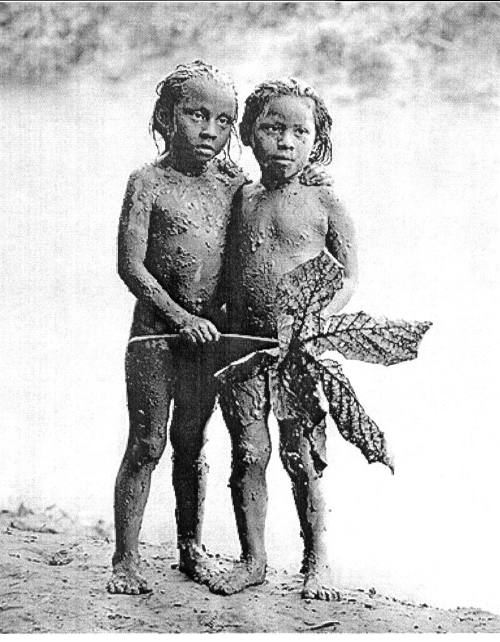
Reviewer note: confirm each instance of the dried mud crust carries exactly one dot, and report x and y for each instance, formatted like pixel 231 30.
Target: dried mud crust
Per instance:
pixel 55 582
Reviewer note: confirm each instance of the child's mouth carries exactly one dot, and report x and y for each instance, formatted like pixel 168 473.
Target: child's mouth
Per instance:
pixel 282 159
pixel 206 150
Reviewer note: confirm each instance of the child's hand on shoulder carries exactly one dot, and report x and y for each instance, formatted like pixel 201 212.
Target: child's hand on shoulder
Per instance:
pixel 197 331
pixel 316 175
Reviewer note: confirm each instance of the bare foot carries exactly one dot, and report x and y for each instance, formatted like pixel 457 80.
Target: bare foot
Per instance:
pixel 126 577
pixel 318 583
pixel 239 577
pixel 197 564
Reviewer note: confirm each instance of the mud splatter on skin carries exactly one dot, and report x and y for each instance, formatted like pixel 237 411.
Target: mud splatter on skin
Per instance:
pixel 171 240
pixel 273 231
pixel 246 408
pixel 179 223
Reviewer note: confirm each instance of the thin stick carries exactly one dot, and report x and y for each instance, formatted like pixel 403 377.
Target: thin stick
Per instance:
pixel 171 337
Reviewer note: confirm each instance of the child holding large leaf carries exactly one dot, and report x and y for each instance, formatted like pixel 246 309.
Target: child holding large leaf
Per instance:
pixel 291 267
pixel 277 225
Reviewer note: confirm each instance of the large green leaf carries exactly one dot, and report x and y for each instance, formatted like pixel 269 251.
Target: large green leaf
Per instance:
pixel 349 415
pixel 360 336
pixel 305 389
pixel 302 294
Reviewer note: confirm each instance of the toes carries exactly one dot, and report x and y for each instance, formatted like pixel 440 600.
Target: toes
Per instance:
pixel 320 593
pixel 119 586
pixel 217 587
pixel 223 587
pixel 229 589
pixel 330 594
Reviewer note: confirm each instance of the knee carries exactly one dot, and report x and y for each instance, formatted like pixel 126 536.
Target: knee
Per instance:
pixel 292 462
pixel 303 449
pixel 187 437
pixel 249 460
pixel 187 446
pixel 186 464
pixel 145 451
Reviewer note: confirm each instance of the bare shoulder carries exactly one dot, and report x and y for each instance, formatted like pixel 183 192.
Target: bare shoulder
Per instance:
pixel 230 173
pixel 142 187
pixel 337 212
pixel 147 173
pixel 327 196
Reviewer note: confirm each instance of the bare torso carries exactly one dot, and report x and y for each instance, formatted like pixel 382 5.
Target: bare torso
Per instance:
pixel 272 231
pixel 181 221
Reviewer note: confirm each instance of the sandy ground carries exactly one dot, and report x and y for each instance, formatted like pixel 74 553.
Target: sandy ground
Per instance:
pixel 54 572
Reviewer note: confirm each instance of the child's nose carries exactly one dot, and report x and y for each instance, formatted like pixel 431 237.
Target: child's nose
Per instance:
pixel 210 129
pixel 286 140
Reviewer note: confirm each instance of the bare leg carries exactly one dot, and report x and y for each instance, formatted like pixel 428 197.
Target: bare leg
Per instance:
pixel 245 411
pixel 149 391
pixel 302 458
pixel 194 403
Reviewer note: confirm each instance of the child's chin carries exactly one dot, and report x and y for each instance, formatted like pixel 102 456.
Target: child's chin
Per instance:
pixel 284 170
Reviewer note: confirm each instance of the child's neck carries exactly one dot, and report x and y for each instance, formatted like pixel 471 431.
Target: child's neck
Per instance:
pixel 272 182
pixel 185 165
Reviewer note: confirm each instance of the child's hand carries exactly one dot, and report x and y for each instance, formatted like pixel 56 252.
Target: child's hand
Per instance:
pixel 196 330
pixel 315 175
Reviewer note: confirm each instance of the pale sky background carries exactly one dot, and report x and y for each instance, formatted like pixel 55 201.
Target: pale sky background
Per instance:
pixel 420 180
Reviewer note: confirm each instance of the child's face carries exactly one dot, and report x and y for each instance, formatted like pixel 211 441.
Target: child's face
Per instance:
pixel 284 135
pixel 202 120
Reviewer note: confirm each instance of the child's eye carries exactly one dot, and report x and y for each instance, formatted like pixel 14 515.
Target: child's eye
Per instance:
pixel 274 129
pixel 302 131
pixel 195 114
pixel 224 121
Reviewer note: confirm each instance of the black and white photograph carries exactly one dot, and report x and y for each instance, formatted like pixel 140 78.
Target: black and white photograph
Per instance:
pixel 250 297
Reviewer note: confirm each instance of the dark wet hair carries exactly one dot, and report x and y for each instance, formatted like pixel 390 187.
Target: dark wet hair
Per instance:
pixel 262 94
pixel 171 90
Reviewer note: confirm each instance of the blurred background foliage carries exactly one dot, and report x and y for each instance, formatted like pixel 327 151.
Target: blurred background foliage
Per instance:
pixel 365 49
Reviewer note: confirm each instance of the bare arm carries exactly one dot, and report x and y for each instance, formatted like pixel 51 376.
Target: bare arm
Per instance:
pixel 132 245
pixel 223 289
pixel 341 243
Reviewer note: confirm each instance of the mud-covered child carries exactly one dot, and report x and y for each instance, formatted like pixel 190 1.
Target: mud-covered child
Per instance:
pixel 276 225
pixel 171 239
